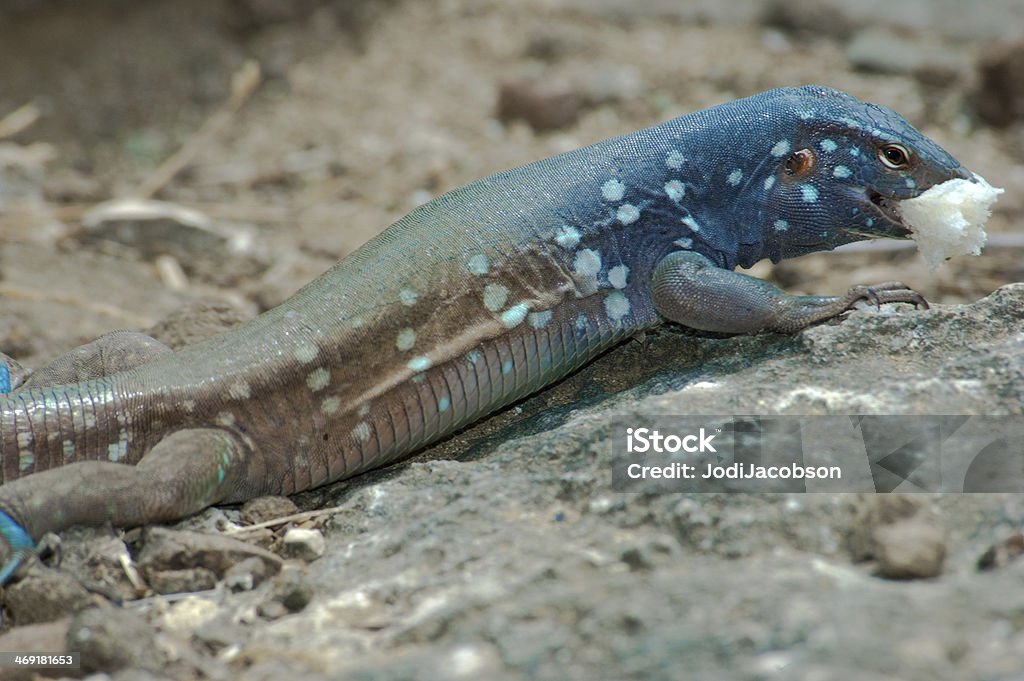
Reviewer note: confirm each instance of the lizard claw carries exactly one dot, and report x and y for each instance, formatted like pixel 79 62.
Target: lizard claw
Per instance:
pixel 884 293
pixel 19 544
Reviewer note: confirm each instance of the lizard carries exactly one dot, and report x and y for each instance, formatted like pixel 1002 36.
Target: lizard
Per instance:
pixel 472 301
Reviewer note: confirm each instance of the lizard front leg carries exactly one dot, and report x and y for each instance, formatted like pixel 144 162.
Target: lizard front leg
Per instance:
pixel 184 473
pixel 690 289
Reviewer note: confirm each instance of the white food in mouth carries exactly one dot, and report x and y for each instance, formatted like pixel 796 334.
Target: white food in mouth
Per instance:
pixel 949 218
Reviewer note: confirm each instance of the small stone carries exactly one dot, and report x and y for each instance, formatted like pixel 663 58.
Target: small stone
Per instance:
pixel 901 533
pixel 262 509
pixel 544 105
pixel 1000 97
pixel 181 581
pixel 109 640
pixel 170 550
pixel 303 544
pixel 248 574
pixel 45 595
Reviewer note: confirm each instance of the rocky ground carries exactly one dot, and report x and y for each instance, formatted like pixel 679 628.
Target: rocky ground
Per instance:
pixel 505 552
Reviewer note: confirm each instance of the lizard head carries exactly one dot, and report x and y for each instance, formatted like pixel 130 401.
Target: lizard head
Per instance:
pixel 841 176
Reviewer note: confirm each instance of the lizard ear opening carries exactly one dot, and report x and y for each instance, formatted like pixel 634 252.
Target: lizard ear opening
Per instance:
pixel 799 163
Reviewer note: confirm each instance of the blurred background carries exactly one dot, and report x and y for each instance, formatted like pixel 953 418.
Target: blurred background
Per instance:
pixel 278 136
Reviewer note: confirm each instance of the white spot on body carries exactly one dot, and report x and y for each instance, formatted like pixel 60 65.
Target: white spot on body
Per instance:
pixel 587 263
pixel 854 151
pixel 364 409
pixel 24 439
pixel 117 451
pixel 539 320
pixel 841 172
pixel 684 243
pixel 68 449
pixel 781 148
pixel 408 297
pixel 781 225
pixel 421 363
pixel 515 315
pixel 225 418
pixel 616 305
pixel 618 275
pixel 691 223
pixel 735 177
pixel 26 459
pixel 828 146
pixel 809 193
pixel 406 339
pixel 330 405
pixel 189 405
pixel 239 390
pixel 478 264
pixel 910 183
pixel 769 182
pixel 305 352
pixel 675 190
pixel 318 379
pixel 675 160
pixel 613 190
pixel 362 431
pixel 495 296
pixel 627 214
pixel 567 237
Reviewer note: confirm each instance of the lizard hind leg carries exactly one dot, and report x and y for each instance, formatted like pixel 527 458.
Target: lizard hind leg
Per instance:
pixel 109 354
pixel 689 289
pixel 184 473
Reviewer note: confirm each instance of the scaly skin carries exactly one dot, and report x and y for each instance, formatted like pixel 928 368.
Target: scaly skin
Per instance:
pixel 474 300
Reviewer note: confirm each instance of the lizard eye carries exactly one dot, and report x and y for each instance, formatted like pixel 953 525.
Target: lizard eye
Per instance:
pixel 894 156
pixel 799 162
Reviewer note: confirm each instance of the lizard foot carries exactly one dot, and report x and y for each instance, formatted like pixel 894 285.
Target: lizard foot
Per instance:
pixel 884 293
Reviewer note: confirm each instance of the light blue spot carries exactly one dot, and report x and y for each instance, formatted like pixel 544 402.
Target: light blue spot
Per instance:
pixel 781 148
pixel 507 366
pixel 479 264
pixel 870 222
pixel 769 182
pixel 806 114
pixel 582 322
pixel 495 297
pixel 539 320
pixel 567 237
pixel 675 190
pixel 406 339
pixel 735 177
pixel 444 404
pixel 618 275
pixel 515 315
pixel 854 151
pixel 841 172
pixel 613 190
pixel 675 160
pixel 421 363
pixel 828 146
pixel 5 379
pixel 684 243
pixel 809 193
pixel 691 223
pixel 587 263
pixel 408 297
pixel 910 183
pixel 220 474
pixel 616 305
pixel 627 214
pixel 781 225
pixel 473 357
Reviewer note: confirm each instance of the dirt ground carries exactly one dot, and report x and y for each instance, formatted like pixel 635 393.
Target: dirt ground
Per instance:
pixel 478 561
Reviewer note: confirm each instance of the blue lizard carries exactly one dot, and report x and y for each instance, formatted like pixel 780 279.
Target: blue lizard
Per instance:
pixel 472 301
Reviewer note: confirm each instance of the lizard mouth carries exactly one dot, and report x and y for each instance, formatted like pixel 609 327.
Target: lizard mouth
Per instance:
pixel 887 209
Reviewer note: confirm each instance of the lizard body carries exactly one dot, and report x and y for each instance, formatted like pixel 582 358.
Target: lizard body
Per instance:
pixel 472 301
